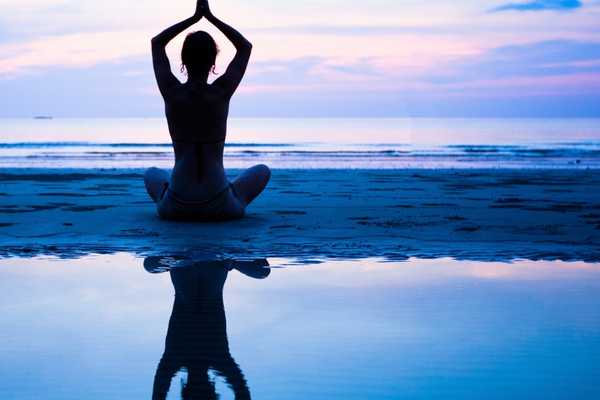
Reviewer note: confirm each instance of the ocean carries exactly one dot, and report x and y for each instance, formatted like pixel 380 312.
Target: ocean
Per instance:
pixel 393 143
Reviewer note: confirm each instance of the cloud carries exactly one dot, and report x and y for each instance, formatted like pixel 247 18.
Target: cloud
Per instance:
pixel 73 50
pixel 546 58
pixel 540 5
pixel 553 69
pixel 556 62
pixel 358 30
pixel 117 88
pixel 319 87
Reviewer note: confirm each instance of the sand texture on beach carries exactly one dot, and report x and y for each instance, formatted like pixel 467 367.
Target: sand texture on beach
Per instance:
pixel 315 214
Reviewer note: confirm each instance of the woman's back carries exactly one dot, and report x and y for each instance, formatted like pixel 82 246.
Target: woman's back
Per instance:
pixel 197 113
pixel 197 118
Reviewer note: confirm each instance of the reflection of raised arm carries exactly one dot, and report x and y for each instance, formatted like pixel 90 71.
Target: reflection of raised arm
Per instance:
pixel 237 68
pixel 234 377
pixel 162 379
pixel 256 269
pixel 162 69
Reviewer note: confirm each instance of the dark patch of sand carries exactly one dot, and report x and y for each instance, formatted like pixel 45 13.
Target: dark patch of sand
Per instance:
pixel 467 229
pixel 66 194
pixel 86 208
pixel 289 212
pixel 455 218
pixel 13 209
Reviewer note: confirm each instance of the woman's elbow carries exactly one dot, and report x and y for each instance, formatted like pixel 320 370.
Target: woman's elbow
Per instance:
pixel 246 46
pixel 156 41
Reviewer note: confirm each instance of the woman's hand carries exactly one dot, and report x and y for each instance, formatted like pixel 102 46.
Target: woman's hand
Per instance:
pixel 202 9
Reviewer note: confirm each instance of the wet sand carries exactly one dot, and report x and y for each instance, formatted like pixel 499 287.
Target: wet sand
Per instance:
pixel 309 215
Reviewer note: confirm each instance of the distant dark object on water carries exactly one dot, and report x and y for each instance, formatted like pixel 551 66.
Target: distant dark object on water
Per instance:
pixel 43 117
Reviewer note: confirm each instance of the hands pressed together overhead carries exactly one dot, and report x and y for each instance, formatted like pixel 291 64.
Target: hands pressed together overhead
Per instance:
pixel 202 9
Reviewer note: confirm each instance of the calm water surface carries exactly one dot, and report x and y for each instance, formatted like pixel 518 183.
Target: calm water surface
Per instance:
pixel 98 328
pixel 311 143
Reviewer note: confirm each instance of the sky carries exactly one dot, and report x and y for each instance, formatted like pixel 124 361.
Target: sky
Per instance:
pixel 312 58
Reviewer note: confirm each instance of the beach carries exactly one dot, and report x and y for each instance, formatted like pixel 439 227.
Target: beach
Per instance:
pixel 417 186
pixel 454 259
pixel 311 215
pixel 399 258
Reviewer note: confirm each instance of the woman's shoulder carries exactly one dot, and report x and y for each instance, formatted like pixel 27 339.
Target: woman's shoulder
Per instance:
pixel 196 93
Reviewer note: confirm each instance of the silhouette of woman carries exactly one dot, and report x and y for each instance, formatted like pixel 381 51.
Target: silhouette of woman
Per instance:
pixel 197 118
pixel 197 334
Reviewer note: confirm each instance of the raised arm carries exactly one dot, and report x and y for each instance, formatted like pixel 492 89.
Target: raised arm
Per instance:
pixel 232 77
pixel 162 68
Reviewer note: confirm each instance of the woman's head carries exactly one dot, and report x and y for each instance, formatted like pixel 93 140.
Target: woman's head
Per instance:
pixel 199 54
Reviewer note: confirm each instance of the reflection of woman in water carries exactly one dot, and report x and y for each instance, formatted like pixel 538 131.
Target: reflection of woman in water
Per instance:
pixel 197 335
pixel 197 117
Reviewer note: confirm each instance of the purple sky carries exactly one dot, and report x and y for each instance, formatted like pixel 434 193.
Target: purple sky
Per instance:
pixel 313 58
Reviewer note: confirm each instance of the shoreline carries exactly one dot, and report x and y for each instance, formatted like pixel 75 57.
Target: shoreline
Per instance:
pixel 310 214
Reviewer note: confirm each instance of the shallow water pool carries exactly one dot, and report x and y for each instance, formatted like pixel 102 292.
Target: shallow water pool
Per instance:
pixel 109 327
